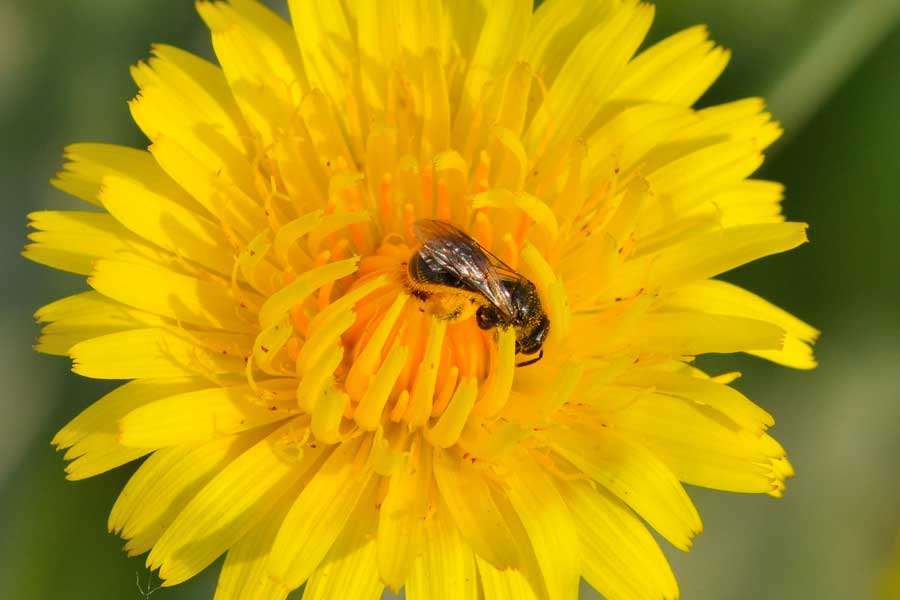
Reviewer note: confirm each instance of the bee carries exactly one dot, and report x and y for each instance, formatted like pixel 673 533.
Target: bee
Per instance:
pixel 456 277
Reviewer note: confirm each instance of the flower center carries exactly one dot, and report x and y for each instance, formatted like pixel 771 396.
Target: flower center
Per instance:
pixel 368 350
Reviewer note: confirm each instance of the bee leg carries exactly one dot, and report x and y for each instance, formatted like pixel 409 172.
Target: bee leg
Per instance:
pixel 531 361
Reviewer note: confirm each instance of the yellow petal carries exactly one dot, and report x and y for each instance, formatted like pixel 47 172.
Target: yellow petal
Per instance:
pixel 350 569
pixel 467 497
pixel 707 255
pixel 685 182
pixel 436 110
pixel 195 89
pixel 237 209
pixel 446 568
pixel 589 74
pixel 317 517
pixel 723 298
pixel 88 164
pixel 411 33
pixel 148 353
pixel 84 316
pixel 403 513
pixel 635 132
pixel 794 353
pixel 326 45
pixel 376 37
pixel 634 475
pixel 92 436
pixel 104 413
pixel 670 331
pixel 167 106
pixel 750 201
pixel 704 392
pixel 165 482
pixel 263 107
pixel 549 525
pixel 170 294
pixel 509 583
pixel 683 333
pixel 500 39
pixel 738 120
pixel 556 28
pixel 272 35
pixel 198 416
pixel 619 557
pixel 244 575
pixel 72 240
pixel 677 70
pixel 231 504
pixel 164 222
pixel 699 446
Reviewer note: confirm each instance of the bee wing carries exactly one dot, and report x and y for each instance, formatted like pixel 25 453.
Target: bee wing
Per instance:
pixel 450 249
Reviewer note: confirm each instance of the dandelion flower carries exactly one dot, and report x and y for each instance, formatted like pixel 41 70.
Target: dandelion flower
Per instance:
pixel 304 412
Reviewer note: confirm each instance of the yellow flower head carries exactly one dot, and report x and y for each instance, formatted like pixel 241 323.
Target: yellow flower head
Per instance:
pixel 327 375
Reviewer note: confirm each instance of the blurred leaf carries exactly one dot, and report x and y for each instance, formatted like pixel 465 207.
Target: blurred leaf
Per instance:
pixel 833 56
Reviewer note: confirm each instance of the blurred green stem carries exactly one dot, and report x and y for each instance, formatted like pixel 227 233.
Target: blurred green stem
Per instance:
pixel 845 42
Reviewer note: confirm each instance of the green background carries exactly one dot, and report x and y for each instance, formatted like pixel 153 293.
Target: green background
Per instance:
pixel 831 70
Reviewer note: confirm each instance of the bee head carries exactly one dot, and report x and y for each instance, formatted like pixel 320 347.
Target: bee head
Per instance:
pixel 531 340
pixel 525 301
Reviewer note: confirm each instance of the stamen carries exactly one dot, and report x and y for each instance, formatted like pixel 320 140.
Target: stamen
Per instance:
pixel 445 388
pixel 256 271
pixel 510 252
pixel 299 319
pixel 428 191
pixel 480 179
pixel 331 323
pixel 326 418
pixel 269 343
pixel 281 302
pixel 422 397
pixel 386 202
pixel 331 224
pixel 522 229
pixel 467 343
pixel 400 406
pixel 370 409
pixel 291 233
pixel 496 391
pixel 484 232
pixel 449 426
pixel 337 251
pixel 409 217
pixel 366 362
pixel 317 378
pixel 388 455
pixel 443 209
